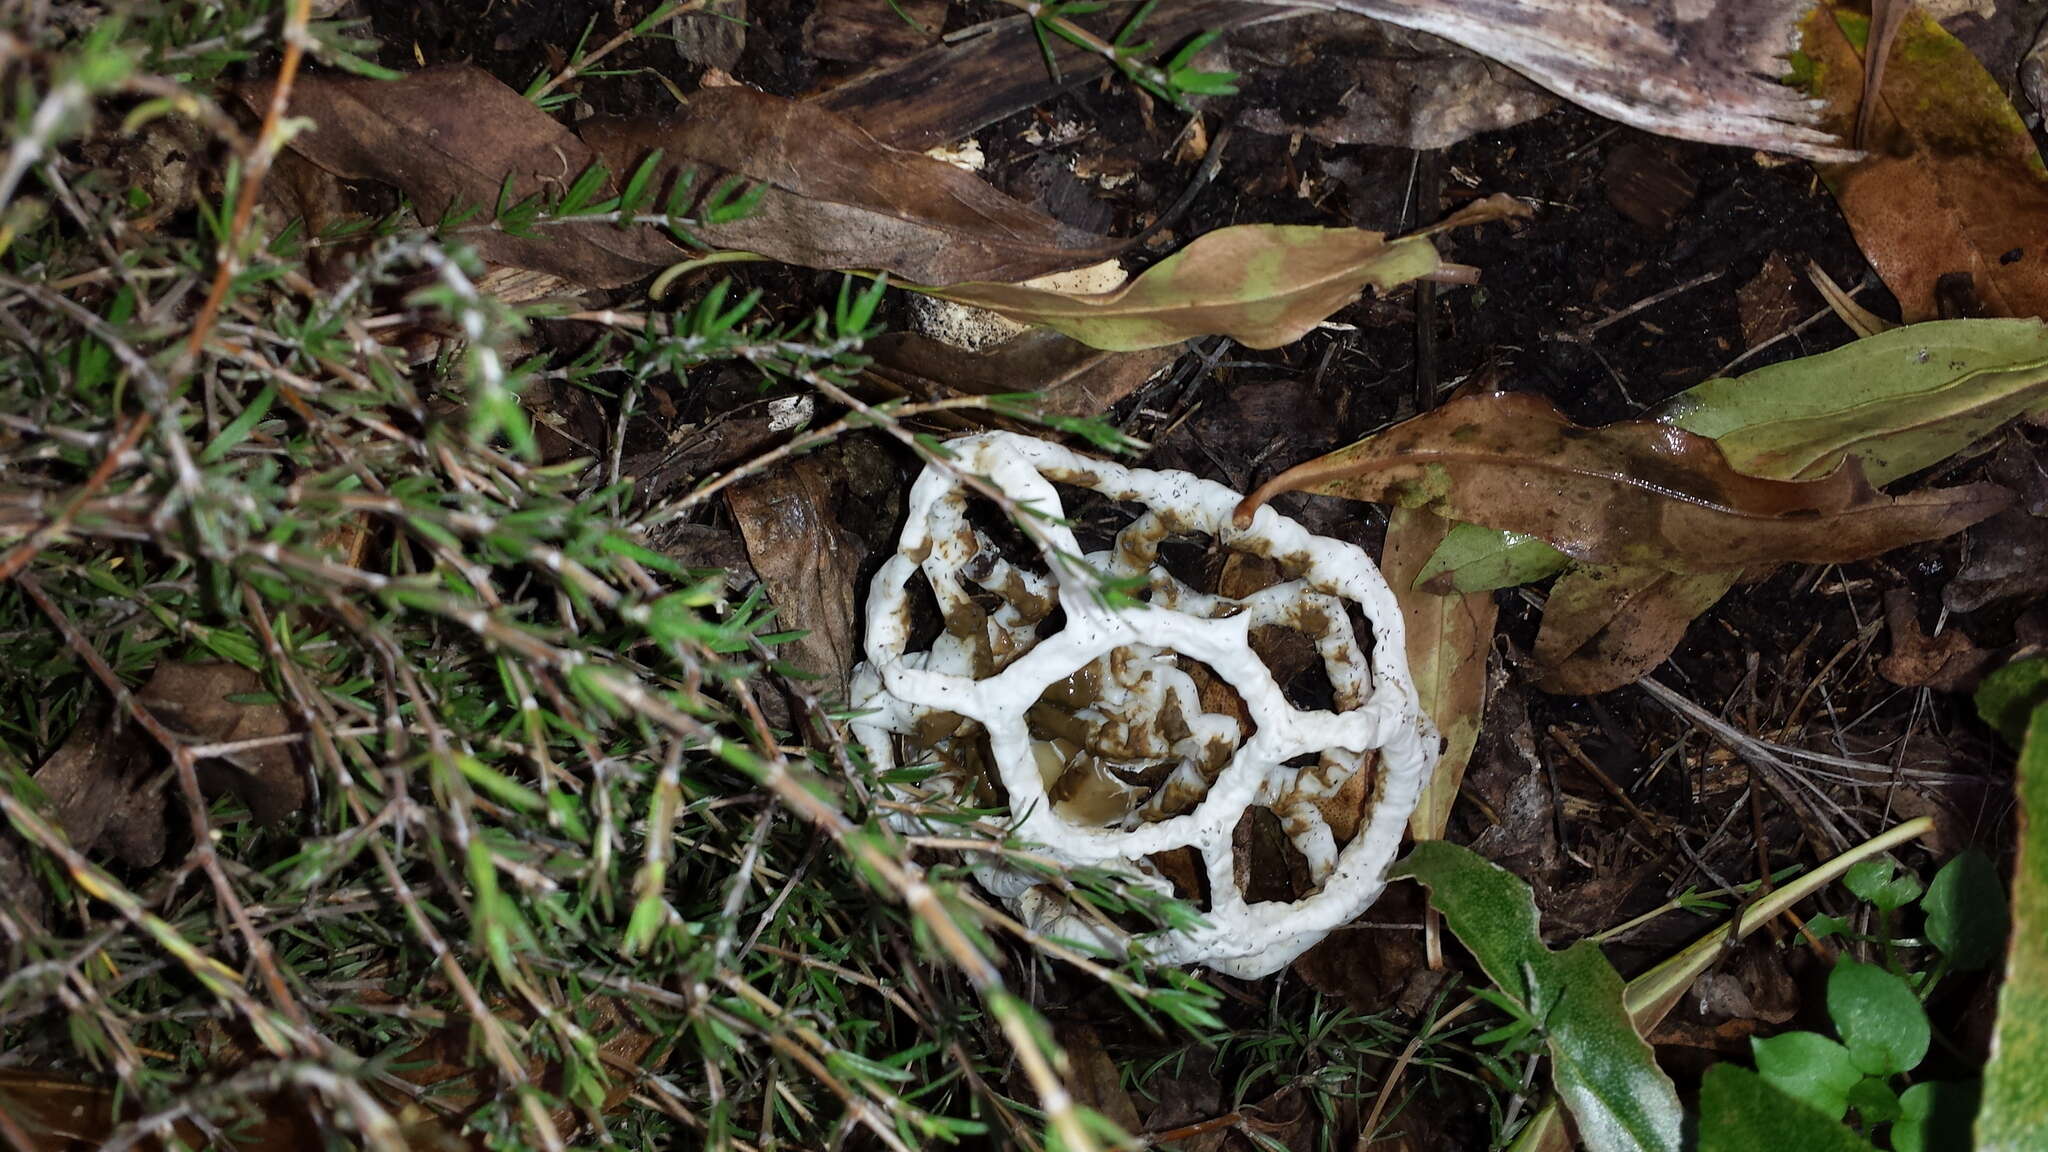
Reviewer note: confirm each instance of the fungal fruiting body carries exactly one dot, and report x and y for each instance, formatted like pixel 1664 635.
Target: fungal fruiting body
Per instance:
pixel 1133 731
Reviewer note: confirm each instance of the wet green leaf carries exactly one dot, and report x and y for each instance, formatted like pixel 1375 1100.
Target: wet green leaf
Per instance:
pixel 1965 908
pixel 1476 559
pixel 1874 1101
pixel 2008 697
pixel 1896 402
pixel 1879 1018
pixel 1880 882
pixel 1599 1066
pixel 1809 1067
pixel 1935 1116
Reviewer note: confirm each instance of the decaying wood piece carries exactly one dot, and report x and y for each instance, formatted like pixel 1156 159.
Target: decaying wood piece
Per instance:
pixel 1698 69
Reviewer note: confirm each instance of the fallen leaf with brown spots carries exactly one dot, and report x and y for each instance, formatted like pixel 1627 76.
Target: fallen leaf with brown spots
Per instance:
pixel 1636 492
pixel 1605 626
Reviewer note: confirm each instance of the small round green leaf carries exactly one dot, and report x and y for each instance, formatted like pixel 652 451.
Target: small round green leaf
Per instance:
pixel 1808 1067
pixel 1966 911
pixel 1880 1019
pixel 1874 1101
pixel 1867 876
pixel 1936 1115
pixel 1874 880
pixel 2009 696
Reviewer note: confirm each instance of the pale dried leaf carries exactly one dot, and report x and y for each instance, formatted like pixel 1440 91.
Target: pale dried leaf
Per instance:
pixel 1449 638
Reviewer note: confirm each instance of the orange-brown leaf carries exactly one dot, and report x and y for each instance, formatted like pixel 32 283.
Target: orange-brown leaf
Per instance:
pixel 1952 183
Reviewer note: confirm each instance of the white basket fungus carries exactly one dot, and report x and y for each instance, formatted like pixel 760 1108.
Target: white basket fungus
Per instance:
pixel 1137 738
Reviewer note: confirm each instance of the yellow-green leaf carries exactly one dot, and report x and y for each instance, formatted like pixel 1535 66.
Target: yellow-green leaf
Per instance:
pixel 1896 402
pixel 1448 640
pixel 1262 285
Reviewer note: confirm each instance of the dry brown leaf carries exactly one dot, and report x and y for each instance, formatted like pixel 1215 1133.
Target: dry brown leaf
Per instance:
pixel 1449 638
pixel 872 32
pixel 1606 626
pixel 1070 378
pixel 835 197
pixel 193 701
pixel 59 1114
pixel 1095 1077
pixel 103 782
pixel 1636 492
pixel 1947 663
pixel 953 89
pixel 1262 285
pixel 453 134
pixel 1952 185
pixel 808 563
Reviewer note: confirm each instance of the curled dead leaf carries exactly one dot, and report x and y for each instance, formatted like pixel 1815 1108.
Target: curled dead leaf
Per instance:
pixel 1948 662
pixel 1605 626
pixel 1636 492
pixel 198 702
pixel 1262 285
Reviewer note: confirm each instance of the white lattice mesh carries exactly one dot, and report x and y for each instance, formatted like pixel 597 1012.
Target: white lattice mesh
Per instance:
pixel 1111 736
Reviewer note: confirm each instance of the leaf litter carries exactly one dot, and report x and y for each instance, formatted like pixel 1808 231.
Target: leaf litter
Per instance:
pixel 1651 553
